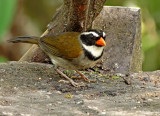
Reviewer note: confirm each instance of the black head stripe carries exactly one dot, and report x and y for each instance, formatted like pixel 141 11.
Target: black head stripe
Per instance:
pixel 87 39
pixel 99 32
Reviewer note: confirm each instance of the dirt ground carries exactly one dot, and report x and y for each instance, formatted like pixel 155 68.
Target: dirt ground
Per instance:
pixel 34 89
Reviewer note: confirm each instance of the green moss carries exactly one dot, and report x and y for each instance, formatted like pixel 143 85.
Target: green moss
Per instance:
pixel 115 77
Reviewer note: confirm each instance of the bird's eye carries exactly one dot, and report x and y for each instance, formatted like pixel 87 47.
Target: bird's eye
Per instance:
pixel 91 36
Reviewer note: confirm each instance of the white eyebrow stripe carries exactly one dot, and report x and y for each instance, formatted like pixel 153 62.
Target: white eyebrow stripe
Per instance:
pixel 87 33
pixel 104 34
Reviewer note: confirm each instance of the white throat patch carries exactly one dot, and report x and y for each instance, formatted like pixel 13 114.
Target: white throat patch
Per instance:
pixel 94 50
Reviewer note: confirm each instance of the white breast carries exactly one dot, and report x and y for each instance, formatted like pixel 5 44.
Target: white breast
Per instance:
pixel 94 50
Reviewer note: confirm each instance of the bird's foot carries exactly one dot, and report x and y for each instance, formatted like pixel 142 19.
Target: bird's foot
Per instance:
pixel 77 84
pixel 70 80
pixel 85 78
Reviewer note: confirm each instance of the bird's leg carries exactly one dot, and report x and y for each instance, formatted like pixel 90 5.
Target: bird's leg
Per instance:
pixel 69 79
pixel 83 77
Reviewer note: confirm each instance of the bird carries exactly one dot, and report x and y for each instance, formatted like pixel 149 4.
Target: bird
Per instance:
pixel 70 50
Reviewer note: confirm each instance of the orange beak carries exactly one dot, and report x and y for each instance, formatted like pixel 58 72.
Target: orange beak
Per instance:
pixel 101 42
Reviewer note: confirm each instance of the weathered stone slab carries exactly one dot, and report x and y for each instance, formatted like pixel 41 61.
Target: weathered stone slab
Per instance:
pixel 32 89
pixel 123 28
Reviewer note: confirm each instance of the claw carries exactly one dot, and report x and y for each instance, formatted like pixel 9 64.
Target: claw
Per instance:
pixel 77 84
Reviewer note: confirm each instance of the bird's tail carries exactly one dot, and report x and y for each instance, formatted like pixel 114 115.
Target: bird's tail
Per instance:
pixel 29 39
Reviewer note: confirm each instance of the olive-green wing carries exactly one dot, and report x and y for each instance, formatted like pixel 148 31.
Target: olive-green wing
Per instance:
pixel 66 45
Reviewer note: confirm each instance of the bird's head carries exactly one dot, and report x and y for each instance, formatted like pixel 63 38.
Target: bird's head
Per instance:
pixel 93 38
pixel 93 41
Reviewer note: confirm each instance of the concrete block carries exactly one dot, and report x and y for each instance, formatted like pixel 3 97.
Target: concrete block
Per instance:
pixel 122 25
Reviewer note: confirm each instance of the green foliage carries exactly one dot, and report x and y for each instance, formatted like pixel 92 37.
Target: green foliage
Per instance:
pixel 2 59
pixel 151 34
pixel 153 9
pixel 7 9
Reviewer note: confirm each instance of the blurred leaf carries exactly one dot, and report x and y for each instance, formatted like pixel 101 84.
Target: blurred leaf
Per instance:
pixel 152 7
pixel 7 9
pixel 115 2
pixel 152 59
pixel 3 59
pixel 41 13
